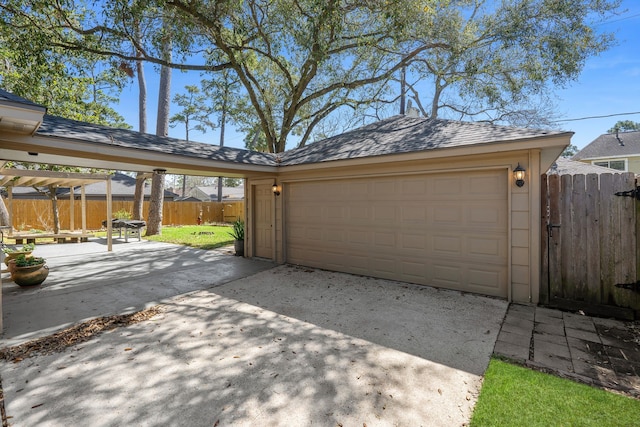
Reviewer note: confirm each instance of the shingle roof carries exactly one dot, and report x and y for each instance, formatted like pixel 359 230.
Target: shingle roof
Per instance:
pixel 60 127
pixel 395 135
pixel 403 134
pixel 610 145
pixel 9 98
pixel 563 166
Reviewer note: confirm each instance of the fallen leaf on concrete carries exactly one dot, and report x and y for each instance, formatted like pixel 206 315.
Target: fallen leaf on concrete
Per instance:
pixel 440 391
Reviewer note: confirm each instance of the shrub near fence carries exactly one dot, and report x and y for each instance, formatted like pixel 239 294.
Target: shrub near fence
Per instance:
pixel 36 214
pixel 589 241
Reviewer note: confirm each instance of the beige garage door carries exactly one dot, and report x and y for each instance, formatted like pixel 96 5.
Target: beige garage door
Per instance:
pixel 446 229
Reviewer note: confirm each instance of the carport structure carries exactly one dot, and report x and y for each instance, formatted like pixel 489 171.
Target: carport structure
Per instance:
pixel 426 201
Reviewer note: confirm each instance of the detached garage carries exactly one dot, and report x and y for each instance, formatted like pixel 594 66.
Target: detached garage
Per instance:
pixel 424 201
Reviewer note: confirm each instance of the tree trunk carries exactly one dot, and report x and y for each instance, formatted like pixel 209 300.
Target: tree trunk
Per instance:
pixel 4 213
pixel 54 208
pixel 223 120
pixel 138 197
pixel 154 223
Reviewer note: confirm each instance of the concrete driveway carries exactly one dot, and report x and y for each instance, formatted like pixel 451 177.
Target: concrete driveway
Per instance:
pixel 285 346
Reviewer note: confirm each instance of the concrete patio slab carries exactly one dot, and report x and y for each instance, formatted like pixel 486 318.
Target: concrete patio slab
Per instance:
pixel 285 346
pixel 85 281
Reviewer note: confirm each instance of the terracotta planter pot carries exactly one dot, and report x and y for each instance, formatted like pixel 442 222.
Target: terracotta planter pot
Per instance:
pixel 32 275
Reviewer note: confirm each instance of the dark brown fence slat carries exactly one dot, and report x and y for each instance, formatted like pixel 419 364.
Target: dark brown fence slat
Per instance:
pixel 578 237
pixel 592 215
pixel 566 237
pixel 607 255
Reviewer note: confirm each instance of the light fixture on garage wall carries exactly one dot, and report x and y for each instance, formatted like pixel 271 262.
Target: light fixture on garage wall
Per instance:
pixel 160 171
pixel 519 173
pixel 276 189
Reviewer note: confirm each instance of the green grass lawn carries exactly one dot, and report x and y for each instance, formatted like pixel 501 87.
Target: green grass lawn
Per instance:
pixel 196 236
pixel 516 396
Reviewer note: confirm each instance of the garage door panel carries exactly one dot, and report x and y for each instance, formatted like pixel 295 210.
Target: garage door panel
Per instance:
pixel 413 213
pixel 447 245
pixel 413 241
pixel 446 229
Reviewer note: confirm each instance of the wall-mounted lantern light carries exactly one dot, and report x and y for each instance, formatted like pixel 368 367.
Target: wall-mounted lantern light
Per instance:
pixel 160 171
pixel 519 173
pixel 276 189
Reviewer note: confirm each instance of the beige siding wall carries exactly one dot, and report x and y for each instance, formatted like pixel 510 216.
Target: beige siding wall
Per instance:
pixel 634 165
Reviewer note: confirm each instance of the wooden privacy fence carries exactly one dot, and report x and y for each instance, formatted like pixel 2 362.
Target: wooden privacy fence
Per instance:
pixel 37 214
pixel 589 243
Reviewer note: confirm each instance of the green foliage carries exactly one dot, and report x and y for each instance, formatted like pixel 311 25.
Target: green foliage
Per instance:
pixel 569 152
pixel 237 232
pixel 25 261
pixel 516 396
pixel 27 247
pixel 500 61
pixel 624 126
pixel 301 61
pixel 195 113
pixel 122 214
pixel 232 182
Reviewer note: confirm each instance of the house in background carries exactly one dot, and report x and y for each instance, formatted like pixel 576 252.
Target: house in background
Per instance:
pixel 122 189
pixel 210 193
pixel 564 166
pixel 620 151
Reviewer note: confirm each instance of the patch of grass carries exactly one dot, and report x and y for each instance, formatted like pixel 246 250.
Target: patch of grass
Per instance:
pixel 512 395
pixel 197 236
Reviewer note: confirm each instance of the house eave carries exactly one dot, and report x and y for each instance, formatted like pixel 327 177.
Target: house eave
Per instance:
pixel 56 150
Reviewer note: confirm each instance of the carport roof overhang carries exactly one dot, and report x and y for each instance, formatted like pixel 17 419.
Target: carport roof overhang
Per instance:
pixel 74 152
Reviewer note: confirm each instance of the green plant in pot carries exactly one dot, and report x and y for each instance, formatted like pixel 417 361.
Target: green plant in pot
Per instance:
pixel 13 253
pixel 237 232
pixel 28 271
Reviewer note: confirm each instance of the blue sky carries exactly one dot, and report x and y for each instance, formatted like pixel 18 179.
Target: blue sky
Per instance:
pixel 608 86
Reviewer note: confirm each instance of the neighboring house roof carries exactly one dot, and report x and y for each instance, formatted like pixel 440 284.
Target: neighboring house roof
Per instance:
pixel 236 193
pixel 563 166
pixel 64 128
pixel 622 144
pixel 403 134
pixel 122 186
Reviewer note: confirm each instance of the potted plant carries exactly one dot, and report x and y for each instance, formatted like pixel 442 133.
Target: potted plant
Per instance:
pixel 28 271
pixel 13 253
pixel 237 233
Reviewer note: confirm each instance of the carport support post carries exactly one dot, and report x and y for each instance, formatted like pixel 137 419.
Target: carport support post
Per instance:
pixel 72 212
pixel 109 213
pixel 83 205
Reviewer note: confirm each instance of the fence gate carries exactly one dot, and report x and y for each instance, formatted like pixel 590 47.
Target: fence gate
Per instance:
pixel 589 243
